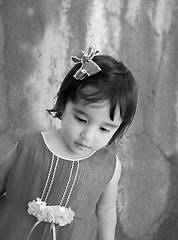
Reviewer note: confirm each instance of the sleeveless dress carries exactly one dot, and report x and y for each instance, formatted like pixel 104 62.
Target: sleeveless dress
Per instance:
pixel 26 182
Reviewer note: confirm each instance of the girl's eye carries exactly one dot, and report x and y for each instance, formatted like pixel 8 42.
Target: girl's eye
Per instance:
pixel 104 129
pixel 81 120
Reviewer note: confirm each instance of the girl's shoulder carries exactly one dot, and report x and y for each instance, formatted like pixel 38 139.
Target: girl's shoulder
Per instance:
pixel 29 139
pixel 28 136
pixel 110 157
pixel 105 159
pixel 106 152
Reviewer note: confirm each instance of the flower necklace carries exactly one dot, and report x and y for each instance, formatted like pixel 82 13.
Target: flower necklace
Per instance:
pixel 56 214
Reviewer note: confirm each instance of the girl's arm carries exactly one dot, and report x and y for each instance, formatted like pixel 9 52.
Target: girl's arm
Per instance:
pixel 6 164
pixel 106 207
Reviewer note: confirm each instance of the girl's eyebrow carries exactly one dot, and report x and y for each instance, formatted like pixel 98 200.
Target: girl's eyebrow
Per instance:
pixel 112 125
pixel 79 111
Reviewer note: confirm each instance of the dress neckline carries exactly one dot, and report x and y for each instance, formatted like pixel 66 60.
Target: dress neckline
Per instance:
pixel 68 159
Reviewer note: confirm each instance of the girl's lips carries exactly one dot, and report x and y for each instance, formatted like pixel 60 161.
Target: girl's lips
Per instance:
pixel 80 145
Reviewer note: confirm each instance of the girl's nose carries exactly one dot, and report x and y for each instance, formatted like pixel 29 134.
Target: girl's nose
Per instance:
pixel 87 134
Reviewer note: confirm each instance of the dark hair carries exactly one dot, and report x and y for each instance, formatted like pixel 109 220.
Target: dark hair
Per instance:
pixel 115 83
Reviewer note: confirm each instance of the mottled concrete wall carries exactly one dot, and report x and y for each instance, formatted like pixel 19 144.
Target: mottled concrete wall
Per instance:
pixel 37 39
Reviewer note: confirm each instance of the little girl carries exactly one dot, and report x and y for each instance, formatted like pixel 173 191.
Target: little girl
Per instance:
pixel 62 184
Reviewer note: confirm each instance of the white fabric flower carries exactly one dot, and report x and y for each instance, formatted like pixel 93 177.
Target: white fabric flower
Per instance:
pixel 56 214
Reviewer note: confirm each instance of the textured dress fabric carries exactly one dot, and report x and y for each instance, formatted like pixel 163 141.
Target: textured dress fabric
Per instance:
pixel 26 182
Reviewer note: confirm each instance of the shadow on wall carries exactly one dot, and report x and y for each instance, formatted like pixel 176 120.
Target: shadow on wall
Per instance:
pixel 24 25
pixel 168 222
pixel 166 226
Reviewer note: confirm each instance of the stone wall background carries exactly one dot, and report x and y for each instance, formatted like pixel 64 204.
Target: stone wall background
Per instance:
pixel 37 39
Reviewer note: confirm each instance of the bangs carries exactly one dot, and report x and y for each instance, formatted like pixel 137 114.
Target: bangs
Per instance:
pixel 91 94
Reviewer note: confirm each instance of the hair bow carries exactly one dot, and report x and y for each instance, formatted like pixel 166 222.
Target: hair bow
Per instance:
pixel 89 67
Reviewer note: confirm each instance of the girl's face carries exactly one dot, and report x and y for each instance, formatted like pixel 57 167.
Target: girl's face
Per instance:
pixel 86 128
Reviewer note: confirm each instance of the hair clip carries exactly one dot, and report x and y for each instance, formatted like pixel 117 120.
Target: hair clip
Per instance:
pixel 89 67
